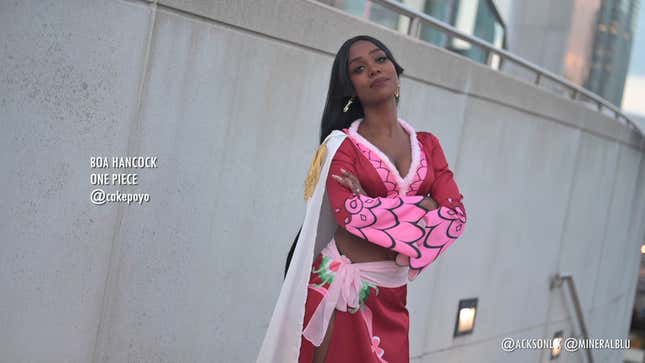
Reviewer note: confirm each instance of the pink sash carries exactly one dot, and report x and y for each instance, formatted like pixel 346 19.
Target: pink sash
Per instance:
pixel 344 290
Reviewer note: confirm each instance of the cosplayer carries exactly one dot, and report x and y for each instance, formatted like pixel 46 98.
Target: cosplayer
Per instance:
pixel 382 205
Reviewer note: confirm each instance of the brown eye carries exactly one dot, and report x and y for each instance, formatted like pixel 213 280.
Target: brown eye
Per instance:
pixel 378 60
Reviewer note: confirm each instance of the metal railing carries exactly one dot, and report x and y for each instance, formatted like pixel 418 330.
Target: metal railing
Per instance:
pixel 417 19
pixel 557 281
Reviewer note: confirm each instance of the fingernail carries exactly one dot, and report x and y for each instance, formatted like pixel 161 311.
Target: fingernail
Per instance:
pixel 341 169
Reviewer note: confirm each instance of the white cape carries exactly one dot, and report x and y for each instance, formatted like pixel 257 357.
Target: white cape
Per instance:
pixel 282 340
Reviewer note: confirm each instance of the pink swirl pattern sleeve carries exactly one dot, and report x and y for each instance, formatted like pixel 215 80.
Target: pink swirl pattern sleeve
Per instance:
pixel 398 223
pixel 447 223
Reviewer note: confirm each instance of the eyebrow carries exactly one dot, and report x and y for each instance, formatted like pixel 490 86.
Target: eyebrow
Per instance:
pixel 371 51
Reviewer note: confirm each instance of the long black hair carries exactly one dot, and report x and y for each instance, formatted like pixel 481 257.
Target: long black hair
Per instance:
pixel 339 92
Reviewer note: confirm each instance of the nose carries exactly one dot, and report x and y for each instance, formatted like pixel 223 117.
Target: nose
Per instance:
pixel 374 71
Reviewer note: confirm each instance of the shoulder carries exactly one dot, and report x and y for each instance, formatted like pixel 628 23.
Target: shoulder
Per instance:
pixel 346 150
pixel 428 138
pixel 340 138
pixel 339 145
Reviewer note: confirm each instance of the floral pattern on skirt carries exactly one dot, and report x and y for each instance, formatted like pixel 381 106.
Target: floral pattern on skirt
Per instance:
pixel 377 332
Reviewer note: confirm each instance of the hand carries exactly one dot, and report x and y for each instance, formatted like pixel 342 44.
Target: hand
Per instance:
pixel 350 182
pixel 429 203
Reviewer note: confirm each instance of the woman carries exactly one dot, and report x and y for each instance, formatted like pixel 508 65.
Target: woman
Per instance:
pixel 394 205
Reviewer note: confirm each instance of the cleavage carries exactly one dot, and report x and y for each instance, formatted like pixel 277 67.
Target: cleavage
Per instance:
pixel 396 162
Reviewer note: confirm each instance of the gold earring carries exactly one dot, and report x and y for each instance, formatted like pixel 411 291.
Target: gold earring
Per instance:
pixel 348 104
pixel 396 94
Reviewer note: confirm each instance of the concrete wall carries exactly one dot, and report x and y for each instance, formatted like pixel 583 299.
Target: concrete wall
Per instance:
pixel 228 95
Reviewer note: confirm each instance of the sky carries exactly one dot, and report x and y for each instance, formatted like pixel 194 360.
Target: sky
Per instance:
pixel 634 94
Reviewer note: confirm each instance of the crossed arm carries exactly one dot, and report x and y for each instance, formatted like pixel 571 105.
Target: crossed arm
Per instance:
pixel 404 224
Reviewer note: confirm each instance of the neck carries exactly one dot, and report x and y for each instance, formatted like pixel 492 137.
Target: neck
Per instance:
pixel 381 120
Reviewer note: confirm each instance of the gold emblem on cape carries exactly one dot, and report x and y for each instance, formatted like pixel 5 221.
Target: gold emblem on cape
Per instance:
pixel 314 170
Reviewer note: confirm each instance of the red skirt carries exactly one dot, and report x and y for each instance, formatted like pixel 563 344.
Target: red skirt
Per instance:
pixel 351 339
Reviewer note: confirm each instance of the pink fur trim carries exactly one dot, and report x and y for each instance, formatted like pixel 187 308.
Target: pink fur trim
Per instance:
pixel 403 183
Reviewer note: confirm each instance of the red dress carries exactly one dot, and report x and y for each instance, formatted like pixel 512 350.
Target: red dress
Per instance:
pixel 379 333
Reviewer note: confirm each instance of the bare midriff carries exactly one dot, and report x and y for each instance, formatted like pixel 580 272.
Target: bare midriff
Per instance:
pixel 360 250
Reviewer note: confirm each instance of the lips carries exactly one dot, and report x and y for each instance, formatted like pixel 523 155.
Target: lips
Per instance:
pixel 379 82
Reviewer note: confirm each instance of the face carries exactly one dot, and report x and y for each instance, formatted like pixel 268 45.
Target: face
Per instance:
pixel 368 63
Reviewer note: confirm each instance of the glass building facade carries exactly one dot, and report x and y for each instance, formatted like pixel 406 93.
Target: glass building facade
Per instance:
pixel 478 18
pixel 612 46
pixel 580 37
pixel 592 48
pixel 369 10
